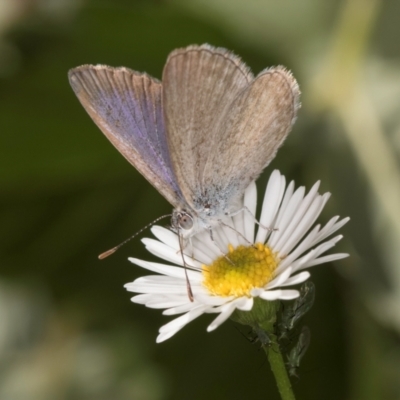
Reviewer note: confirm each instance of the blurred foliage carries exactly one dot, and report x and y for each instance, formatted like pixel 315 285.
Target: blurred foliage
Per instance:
pixel 68 330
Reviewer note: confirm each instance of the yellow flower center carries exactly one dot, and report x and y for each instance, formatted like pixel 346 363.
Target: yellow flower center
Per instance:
pixel 239 271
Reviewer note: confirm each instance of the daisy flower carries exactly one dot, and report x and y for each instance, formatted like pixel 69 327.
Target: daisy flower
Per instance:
pixel 244 260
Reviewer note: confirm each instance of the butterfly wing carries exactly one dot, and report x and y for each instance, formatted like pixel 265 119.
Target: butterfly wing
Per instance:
pixel 257 123
pixel 127 107
pixel 223 126
pixel 199 84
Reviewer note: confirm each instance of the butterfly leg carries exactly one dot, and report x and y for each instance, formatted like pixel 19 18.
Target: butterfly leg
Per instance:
pixel 185 266
pixel 245 208
pixel 210 231
pixel 235 230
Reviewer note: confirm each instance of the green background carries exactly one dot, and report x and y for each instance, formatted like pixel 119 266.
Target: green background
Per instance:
pixel 67 327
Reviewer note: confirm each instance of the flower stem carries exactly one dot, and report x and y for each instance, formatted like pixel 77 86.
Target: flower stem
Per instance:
pixel 278 367
pixel 262 319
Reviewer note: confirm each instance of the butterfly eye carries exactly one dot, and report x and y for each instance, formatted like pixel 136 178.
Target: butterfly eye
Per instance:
pixel 185 222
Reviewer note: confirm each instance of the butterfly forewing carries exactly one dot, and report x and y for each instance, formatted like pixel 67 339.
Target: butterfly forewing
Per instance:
pixel 199 85
pixel 258 121
pixel 127 107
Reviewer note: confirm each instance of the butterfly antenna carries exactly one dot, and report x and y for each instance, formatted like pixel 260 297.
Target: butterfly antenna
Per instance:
pixel 107 253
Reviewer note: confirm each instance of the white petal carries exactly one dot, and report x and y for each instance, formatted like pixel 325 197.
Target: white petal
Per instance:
pixel 313 254
pixel 289 294
pixel 169 270
pixel 167 253
pixel 311 205
pixel 250 202
pixel 296 265
pixel 174 290
pixel 180 322
pixel 296 279
pixel 161 280
pixel 166 304
pixel 179 309
pixel 230 231
pixel 279 294
pixel 282 277
pixel 329 229
pixel 326 259
pixel 221 240
pixel 238 223
pixel 141 298
pixel 208 251
pixel 246 304
pixel 221 317
pixel 166 236
pixel 292 237
pixel 305 215
pixel 272 200
pixel 215 301
pixel 237 302
pixel 286 216
pixel 171 240
pixel 300 249
pixel 150 297
pixel 286 198
pixel 162 337
pixel 178 289
pixel 160 301
pixel 256 292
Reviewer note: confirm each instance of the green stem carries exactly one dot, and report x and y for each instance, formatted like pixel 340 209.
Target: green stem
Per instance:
pixel 262 318
pixel 278 367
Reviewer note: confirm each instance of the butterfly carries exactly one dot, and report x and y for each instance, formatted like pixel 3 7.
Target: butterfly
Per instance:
pixel 201 135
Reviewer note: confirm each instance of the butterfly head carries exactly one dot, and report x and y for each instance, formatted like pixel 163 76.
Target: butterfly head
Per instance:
pixel 183 222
